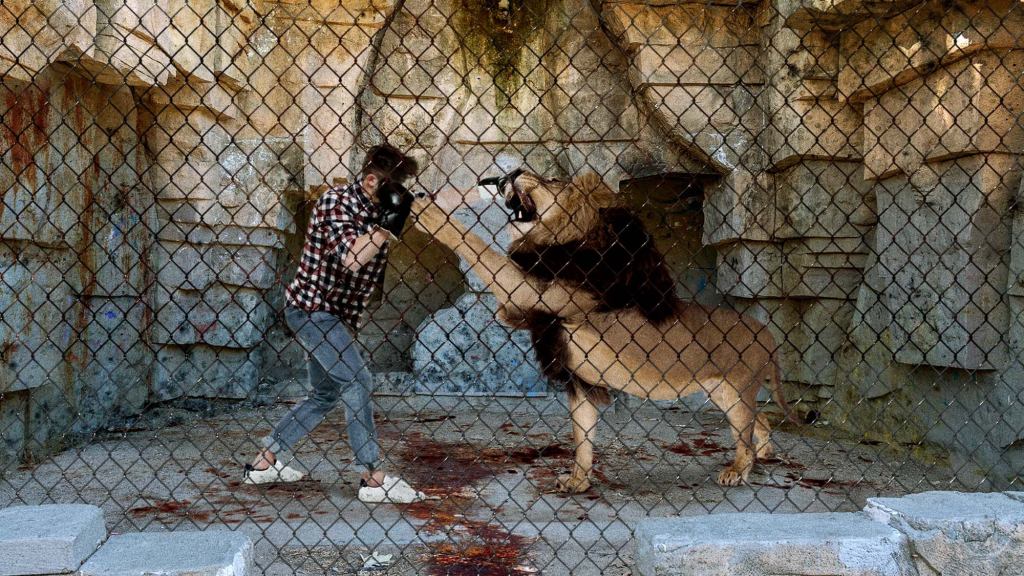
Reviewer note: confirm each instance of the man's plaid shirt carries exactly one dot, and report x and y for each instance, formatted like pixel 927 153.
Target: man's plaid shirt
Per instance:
pixel 322 283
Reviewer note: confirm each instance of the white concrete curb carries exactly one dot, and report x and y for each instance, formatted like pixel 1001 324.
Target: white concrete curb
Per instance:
pixel 63 539
pixel 927 534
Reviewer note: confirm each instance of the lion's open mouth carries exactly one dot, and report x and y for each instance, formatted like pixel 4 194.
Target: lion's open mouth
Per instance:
pixel 521 205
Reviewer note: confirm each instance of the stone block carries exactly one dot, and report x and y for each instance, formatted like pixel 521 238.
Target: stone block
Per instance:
pixel 327 141
pixel 837 544
pixel 695 25
pixel 834 15
pixel 225 235
pixel 667 65
pixel 941 270
pixel 51 415
pixel 32 191
pixel 211 96
pixel 37 33
pixel 1015 283
pixel 196 267
pixel 368 14
pixel 36 299
pixel 750 269
pixel 691 109
pixel 462 350
pixel 218 316
pixel 205 372
pixel 190 36
pixel 880 53
pixel 957 534
pixel 967 107
pixel 188 178
pixel 182 133
pixel 119 227
pixel 181 266
pixel 48 539
pixel 740 205
pixel 13 424
pixel 387 343
pixel 823 200
pixel 335 56
pixel 260 208
pixel 824 267
pixel 811 333
pixel 815 128
pixel 112 361
pixel 126 48
pixel 209 553
pixel 594 112
pixel 415 77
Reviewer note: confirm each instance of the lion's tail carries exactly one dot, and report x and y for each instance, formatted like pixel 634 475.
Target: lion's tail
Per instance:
pixel 775 387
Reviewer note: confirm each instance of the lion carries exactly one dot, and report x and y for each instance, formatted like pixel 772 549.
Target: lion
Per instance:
pixel 584 277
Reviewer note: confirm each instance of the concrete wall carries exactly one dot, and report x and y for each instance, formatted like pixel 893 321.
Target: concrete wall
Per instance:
pixel 857 163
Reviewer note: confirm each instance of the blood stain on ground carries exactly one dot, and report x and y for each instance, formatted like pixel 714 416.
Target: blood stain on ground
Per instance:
pixel 170 511
pixel 218 473
pixel 599 473
pixel 791 464
pixel 453 466
pixel 702 445
pixel 472 546
pixel 447 470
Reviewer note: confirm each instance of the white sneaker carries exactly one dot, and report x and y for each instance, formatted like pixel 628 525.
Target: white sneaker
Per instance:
pixel 276 473
pixel 394 490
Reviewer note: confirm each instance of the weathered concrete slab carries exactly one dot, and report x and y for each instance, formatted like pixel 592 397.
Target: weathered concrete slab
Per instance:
pixel 838 544
pixel 48 539
pixel 210 553
pixel 957 534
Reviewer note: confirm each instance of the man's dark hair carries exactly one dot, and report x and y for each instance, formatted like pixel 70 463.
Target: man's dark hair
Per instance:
pixel 389 163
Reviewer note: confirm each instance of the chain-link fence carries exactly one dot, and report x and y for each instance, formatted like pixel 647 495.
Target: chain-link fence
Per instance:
pixel 720 201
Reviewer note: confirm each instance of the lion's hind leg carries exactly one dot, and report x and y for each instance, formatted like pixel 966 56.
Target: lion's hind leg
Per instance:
pixel 740 411
pixel 763 438
pixel 583 401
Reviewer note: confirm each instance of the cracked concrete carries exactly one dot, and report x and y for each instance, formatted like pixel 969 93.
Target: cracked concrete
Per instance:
pixel 492 462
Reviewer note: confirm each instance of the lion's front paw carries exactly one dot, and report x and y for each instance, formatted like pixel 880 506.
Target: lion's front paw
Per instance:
pixel 572 484
pixel 733 475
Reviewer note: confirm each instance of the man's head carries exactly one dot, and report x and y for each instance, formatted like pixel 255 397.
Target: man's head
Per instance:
pixel 385 163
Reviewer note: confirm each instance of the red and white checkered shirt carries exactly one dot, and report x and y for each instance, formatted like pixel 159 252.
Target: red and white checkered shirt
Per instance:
pixel 322 283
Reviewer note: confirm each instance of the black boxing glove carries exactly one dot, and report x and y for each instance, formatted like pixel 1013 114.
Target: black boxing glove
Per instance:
pixel 395 205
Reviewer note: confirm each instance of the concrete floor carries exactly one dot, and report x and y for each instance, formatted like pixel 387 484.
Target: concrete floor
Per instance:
pixel 491 460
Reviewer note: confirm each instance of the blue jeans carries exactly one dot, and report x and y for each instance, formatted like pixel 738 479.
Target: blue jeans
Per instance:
pixel 336 372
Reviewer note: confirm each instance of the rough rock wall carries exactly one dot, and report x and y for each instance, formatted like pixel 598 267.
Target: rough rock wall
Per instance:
pixel 860 164
pixel 935 337
pixel 76 226
pixel 870 160
pixel 153 154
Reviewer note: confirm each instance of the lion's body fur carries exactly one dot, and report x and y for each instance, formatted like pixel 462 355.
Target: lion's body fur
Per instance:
pixel 600 304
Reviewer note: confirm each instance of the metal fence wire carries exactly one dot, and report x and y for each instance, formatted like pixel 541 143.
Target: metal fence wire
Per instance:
pixel 695 209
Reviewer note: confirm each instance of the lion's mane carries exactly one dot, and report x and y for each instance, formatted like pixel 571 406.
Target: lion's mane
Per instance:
pixel 603 248
pixel 596 244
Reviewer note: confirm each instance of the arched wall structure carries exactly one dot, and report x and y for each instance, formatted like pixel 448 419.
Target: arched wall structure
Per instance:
pixel 860 161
